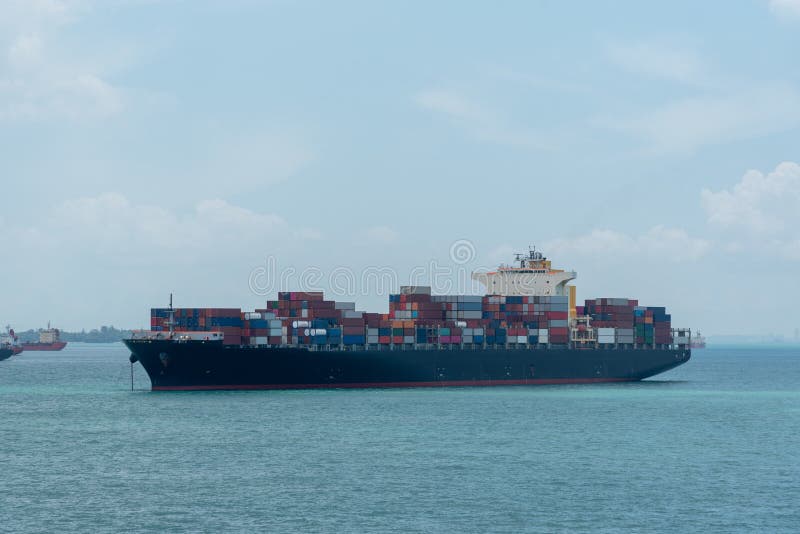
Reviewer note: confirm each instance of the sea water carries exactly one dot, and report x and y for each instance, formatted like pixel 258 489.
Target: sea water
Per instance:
pixel 712 446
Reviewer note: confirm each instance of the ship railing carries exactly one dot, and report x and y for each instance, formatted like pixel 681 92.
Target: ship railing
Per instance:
pixel 421 346
pixel 150 335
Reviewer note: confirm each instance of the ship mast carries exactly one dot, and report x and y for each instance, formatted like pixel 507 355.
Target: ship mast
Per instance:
pixel 171 321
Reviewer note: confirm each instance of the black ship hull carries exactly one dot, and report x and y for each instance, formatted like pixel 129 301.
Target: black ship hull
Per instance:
pixel 198 365
pixel 5 354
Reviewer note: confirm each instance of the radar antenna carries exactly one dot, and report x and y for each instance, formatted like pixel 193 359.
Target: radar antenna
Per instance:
pixel 534 254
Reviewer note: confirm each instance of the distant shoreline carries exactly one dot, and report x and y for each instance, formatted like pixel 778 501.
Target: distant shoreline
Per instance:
pixel 104 334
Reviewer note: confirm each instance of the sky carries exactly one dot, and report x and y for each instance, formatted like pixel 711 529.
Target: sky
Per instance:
pixel 225 150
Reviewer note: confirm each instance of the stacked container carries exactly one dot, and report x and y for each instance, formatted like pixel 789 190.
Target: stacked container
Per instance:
pixel 416 318
pixel 632 324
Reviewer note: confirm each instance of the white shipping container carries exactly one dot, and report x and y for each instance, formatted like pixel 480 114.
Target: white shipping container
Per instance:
pixel 461 324
pixel 345 306
pixel 522 339
pixel 415 290
pixel 605 332
pixel 258 340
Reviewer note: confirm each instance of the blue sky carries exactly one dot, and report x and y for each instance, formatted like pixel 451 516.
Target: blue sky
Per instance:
pixel 157 146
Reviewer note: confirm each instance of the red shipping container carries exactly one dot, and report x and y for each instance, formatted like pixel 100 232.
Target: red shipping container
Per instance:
pixel 353 330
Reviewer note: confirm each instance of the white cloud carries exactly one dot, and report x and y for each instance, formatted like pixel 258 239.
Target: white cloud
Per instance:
pixel 687 124
pixel 759 203
pixel 478 120
pixel 454 105
pixel 659 61
pixel 26 50
pixel 42 79
pixel 111 258
pixel 110 224
pixel 221 214
pixel 660 242
pixel 791 249
pixel 789 9
pixel 19 14
pixel 383 234
pixel 759 213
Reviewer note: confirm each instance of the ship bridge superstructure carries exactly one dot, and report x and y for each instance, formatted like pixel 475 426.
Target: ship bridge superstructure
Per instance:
pixel 532 274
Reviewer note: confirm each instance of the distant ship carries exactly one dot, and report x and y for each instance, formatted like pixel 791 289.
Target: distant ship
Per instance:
pixel 11 341
pixel 698 341
pixel 49 339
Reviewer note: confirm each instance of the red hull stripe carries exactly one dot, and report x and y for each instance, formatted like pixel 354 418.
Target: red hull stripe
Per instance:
pixel 444 383
pixel 44 346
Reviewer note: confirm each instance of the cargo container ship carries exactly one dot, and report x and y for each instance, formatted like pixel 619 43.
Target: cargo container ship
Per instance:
pixel 49 339
pixel 526 330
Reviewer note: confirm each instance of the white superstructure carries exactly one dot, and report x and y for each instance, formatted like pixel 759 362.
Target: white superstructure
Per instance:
pixel 533 276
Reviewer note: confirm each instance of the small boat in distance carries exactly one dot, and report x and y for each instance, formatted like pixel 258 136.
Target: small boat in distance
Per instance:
pixel 698 341
pixel 10 340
